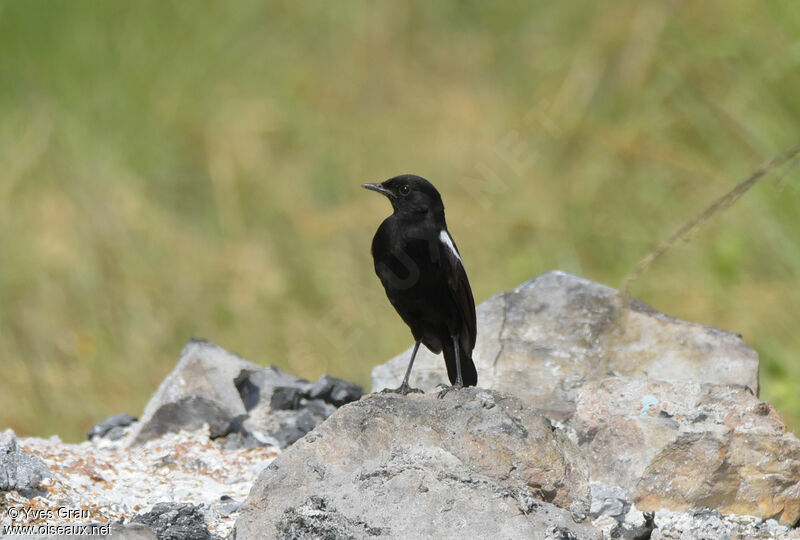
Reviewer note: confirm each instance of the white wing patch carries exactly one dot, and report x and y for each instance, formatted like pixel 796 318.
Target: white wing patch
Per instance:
pixel 448 242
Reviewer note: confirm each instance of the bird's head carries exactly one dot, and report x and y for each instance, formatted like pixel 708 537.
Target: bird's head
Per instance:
pixel 410 194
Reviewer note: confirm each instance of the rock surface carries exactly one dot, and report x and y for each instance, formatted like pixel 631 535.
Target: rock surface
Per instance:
pixel 476 463
pixel 737 473
pixel 545 339
pixel 684 446
pixel 19 471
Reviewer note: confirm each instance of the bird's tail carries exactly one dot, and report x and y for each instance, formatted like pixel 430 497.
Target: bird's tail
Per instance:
pixel 469 374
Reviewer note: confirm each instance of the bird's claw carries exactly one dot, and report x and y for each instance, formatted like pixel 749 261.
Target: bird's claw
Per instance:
pixel 403 390
pixel 444 389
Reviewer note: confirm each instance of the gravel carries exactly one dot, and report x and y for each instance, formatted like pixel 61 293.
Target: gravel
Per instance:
pixel 105 481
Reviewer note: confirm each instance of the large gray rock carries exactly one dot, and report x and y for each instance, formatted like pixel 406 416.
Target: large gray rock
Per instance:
pixel 474 464
pixel 19 471
pixel 685 446
pixel 549 336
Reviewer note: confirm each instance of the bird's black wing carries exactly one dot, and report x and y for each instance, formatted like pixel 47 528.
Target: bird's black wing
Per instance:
pixel 459 288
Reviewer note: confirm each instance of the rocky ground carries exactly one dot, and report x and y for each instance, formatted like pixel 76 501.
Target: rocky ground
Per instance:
pixel 106 481
pixel 596 418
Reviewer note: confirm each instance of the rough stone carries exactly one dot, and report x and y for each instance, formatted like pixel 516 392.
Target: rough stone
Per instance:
pixel 335 391
pixel 736 473
pixel 244 404
pixel 19 471
pixel 287 407
pixel 634 525
pixel 175 521
pixel 543 340
pixel 682 446
pixel 419 466
pixel 112 427
pixel 286 398
pixel 189 413
pixel 256 387
pixel 200 390
pixel 608 500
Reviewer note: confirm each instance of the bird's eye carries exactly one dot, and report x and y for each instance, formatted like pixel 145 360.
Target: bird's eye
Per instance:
pixel 404 189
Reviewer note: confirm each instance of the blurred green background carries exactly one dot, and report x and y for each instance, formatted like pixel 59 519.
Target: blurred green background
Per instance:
pixel 174 169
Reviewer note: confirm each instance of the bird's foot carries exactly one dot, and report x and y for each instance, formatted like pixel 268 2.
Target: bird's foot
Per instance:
pixel 444 389
pixel 404 389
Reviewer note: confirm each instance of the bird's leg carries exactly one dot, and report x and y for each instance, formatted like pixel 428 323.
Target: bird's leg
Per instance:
pixel 408 370
pixel 404 388
pixel 459 381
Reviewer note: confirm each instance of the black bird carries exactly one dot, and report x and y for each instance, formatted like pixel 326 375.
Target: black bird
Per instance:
pixel 423 275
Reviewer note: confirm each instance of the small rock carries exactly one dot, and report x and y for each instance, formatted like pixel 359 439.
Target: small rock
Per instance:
pixel 246 439
pixel 19 471
pixel 638 527
pixel 294 410
pixel 335 391
pixel 318 407
pixel 175 521
pixel 188 413
pixel 608 500
pixel 486 399
pixel 286 398
pixel 111 427
pixel 295 427
pixel 228 508
pixel 578 509
pixel 257 386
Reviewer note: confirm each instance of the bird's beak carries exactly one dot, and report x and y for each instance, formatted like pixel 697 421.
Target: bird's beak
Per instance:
pixel 379 188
